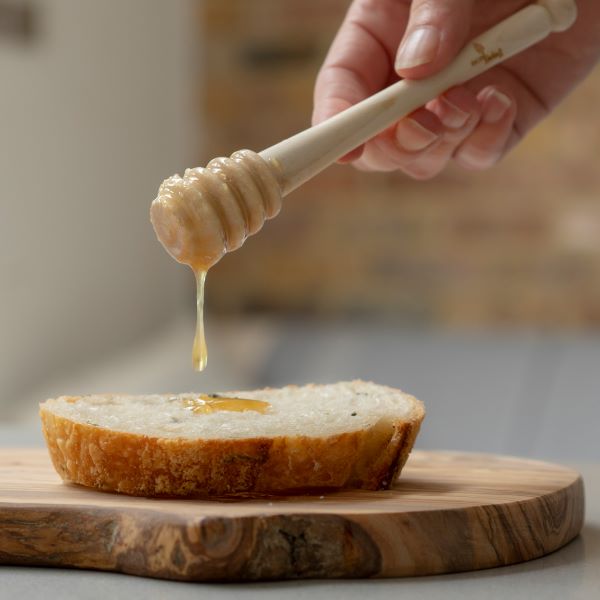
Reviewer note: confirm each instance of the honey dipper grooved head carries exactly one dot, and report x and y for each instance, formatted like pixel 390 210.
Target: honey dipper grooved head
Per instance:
pixel 210 211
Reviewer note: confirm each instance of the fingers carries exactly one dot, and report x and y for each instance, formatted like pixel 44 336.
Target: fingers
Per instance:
pixel 360 59
pixel 422 144
pixel 472 129
pixel 405 142
pixel 486 145
pixel 459 112
pixel 436 31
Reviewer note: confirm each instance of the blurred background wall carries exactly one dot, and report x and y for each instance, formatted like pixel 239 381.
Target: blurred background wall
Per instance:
pixel 472 291
pixel 96 110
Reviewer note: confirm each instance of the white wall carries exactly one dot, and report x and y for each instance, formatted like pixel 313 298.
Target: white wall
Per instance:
pixel 94 113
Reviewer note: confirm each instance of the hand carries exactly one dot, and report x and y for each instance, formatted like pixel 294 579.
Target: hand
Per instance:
pixel 381 41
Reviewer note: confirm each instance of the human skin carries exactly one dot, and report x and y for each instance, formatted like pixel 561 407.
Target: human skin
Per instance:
pixel 475 124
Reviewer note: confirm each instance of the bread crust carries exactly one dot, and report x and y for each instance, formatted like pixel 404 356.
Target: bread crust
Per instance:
pixel 152 466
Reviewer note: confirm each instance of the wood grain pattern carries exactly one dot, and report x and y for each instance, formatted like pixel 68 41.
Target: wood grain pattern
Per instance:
pixel 449 512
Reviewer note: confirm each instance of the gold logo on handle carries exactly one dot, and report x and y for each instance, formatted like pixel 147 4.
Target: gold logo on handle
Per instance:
pixel 485 56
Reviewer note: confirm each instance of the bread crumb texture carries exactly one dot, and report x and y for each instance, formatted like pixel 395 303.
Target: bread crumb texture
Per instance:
pixel 346 435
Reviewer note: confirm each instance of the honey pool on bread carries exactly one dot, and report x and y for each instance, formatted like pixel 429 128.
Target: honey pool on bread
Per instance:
pixel 210 211
pixel 209 403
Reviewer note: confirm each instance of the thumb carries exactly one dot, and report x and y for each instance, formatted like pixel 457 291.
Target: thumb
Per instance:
pixel 436 31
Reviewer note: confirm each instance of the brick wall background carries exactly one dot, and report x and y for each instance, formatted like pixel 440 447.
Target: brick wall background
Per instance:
pixel 517 245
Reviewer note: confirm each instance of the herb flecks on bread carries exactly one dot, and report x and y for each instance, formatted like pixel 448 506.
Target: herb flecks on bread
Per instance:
pixel 345 435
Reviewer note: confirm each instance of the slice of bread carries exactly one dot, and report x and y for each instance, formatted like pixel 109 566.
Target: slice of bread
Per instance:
pixel 345 435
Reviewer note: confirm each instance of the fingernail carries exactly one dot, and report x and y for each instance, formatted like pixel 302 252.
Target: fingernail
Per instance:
pixel 475 158
pixel 495 107
pixel 419 48
pixel 412 136
pixel 452 116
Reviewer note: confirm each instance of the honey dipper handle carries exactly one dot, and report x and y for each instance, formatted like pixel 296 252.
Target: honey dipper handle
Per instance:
pixel 307 153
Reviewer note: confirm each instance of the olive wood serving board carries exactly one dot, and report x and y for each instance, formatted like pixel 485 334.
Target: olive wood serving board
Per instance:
pixel 448 512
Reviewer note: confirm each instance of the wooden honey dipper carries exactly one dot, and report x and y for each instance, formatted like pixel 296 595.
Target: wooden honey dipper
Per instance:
pixel 210 211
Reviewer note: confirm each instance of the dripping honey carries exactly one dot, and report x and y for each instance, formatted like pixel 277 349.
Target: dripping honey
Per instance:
pixel 249 187
pixel 199 352
pixel 206 404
